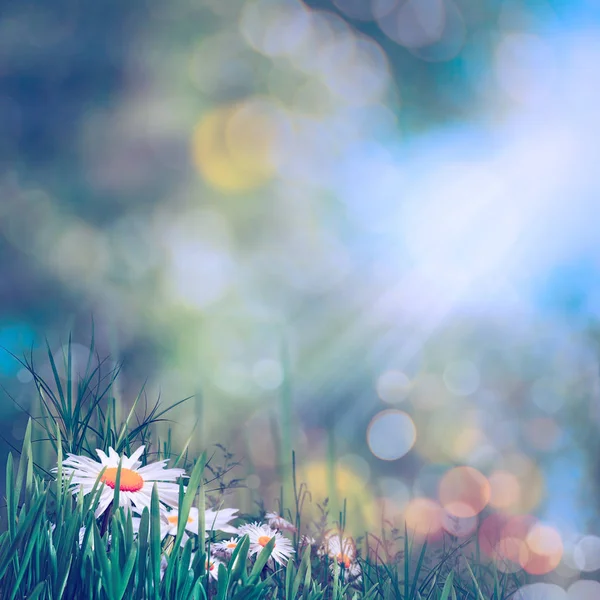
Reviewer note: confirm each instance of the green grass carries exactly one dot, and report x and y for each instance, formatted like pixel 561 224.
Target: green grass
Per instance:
pixel 113 561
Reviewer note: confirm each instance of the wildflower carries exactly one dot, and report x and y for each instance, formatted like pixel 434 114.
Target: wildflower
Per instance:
pixel 352 572
pixel 261 535
pixel 339 548
pixel 214 521
pixel 136 482
pixel 220 520
pixel 169 521
pixel 226 547
pixel 276 521
pixel 212 566
pixel 306 540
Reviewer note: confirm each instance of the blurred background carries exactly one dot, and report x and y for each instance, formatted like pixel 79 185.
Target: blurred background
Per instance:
pixel 364 230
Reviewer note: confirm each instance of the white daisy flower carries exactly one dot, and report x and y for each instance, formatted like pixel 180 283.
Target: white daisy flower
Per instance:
pixel 339 548
pixel 220 520
pixel 169 521
pixel 306 540
pixel 226 547
pixel 136 482
pixel 260 535
pixel 212 566
pixel 276 521
pixel 352 572
pixel 355 572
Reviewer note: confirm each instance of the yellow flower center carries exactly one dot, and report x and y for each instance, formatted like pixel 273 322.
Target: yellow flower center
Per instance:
pixel 343 559
pixel 131 481
pixel 263 540
pixel 231 544
pixel 174 519
pixel 210 566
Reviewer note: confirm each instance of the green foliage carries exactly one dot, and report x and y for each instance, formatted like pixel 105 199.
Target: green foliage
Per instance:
pixel 53 548
pixel 38 562
pixel 83 409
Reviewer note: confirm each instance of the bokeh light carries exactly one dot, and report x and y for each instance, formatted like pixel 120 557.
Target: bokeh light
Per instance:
pixel 391 434
pixel 340 483
pixel 505 490
pixel 461 527
pixel 583 590
pixel 423 517
pixel 236 148
pixel 393 386
pixel 464 492
pixel 545 547
pixel 586 554
pixel 537 591
pixel 461 378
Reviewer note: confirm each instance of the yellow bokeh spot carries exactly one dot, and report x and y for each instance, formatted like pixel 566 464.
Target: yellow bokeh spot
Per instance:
pixel 338 484
pixel 423 517
pixel 529 482
pixel 234 147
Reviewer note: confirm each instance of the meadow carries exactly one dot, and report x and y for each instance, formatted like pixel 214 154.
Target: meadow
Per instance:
pixel 125 514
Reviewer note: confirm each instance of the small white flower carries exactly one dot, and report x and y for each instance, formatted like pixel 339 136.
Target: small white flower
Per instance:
pixel 226 547
pixel 135 489
pixel 306 540
pixel 352 572
pixel 276 521
pixel 339 548
pixel 220 520
pixel 260 535
pixel 212 566
pixel 169 522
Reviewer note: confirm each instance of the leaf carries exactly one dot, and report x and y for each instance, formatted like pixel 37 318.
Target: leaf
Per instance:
pixel 418 570
pixel 302 570
pixel 142 556
pixel 117 490
pixel 102 562
pixel 261 561
pixel 222 582
pixel 59 388
pixel 37 592
pixel 481 597
pixel 155 546
pixel 27 522
pixel 188 498
pixel 237 563
pixel 447 586
pixel 125 574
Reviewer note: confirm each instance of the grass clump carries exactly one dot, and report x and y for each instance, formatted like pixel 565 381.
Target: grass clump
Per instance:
pixel 108 523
